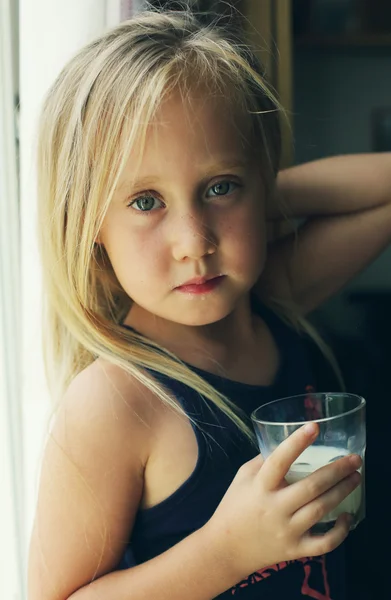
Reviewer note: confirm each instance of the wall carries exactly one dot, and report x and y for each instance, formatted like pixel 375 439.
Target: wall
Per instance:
pixel 14 8
pixel 11 471
pixel 334 96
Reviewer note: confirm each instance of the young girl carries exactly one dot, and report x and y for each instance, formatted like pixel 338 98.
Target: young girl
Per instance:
pixel 158 156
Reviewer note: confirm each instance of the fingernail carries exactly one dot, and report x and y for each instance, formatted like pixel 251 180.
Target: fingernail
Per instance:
pixel 310 429
pixel 348 519
pixel 355 460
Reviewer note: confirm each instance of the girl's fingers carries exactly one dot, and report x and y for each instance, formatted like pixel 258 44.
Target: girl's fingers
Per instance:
pixel 279 462
pixel 310 514
pixel 316 545
pixel 252 466
pixel 319 482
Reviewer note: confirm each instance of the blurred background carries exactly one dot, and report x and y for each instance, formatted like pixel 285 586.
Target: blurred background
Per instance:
pixel 330 61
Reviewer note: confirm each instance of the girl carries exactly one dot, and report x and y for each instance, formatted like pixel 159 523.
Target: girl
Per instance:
pixel 158 156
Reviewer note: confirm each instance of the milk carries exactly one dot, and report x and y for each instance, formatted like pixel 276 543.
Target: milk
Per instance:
pixel 312 459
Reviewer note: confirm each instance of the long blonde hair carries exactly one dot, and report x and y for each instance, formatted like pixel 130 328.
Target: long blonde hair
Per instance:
pixel 100 104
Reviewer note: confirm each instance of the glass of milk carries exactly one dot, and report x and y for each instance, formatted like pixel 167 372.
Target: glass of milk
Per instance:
pixel 341 421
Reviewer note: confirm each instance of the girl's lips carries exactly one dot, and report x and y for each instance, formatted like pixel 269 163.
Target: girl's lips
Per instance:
pixel 200 285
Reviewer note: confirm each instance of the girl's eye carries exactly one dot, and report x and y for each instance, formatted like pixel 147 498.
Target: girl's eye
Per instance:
pixel 222 188
pixel 146 203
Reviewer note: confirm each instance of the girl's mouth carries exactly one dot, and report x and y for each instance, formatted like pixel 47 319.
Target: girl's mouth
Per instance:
pixel 200 285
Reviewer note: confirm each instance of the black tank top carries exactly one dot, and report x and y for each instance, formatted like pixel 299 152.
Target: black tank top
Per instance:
pixel 222 449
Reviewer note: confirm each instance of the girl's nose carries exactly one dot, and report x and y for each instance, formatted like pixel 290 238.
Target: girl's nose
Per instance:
pixel 193 238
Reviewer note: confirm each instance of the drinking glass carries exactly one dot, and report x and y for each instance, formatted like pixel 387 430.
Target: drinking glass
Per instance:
pixel 341 421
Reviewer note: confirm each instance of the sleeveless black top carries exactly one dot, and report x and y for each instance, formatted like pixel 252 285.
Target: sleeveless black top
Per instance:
pixel 222 449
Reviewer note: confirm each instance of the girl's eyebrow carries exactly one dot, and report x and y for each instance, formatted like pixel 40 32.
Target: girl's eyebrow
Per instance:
pixel 143 182
pixel 226 165
pixel 207 170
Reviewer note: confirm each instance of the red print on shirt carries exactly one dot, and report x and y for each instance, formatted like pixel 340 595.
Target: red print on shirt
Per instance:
pixel 307 590
pixel 313 405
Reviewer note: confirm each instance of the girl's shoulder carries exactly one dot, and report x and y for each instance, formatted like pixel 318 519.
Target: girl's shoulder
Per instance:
pixel 105 401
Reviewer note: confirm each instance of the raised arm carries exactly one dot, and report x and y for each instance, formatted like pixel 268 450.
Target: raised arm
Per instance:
pixel 335 185
pixel 346 204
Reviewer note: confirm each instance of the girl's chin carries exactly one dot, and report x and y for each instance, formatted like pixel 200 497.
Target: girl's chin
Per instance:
pixel 201 319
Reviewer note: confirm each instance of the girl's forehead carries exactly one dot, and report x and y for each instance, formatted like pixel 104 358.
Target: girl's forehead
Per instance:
pixel 199 123
pixel 200 106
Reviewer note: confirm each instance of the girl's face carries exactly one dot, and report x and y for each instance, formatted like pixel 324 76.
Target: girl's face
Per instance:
pixel 186 233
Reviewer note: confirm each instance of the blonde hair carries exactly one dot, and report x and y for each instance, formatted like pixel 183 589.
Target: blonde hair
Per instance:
pixel 100 104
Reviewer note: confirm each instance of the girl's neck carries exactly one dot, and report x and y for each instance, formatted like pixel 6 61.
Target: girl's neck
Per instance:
pixel 225 346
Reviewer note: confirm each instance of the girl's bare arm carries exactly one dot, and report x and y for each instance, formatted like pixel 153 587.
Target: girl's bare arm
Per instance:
pixel 90 488
pixel 334 186
pixel 346 202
